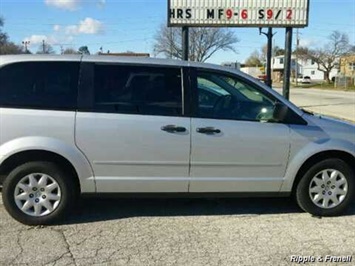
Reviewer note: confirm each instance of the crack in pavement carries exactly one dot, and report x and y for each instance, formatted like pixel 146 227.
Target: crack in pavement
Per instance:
pixel 18 242
pixel 67 246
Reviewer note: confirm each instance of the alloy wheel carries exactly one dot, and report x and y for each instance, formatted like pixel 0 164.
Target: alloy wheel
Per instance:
pixel 37 194
pixel 328 188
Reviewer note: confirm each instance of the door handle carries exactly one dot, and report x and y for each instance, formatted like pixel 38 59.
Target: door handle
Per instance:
pixel 173 129
pixel 208 130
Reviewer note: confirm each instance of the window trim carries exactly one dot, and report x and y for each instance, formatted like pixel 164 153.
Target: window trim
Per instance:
pixel 87 87
pixel 186 90
pixel 296 119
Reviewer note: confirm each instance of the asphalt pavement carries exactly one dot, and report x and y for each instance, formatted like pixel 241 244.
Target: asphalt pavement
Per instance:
pixel 339 104
pixel 180 232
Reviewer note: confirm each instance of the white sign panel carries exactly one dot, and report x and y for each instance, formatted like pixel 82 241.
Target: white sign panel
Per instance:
pixel 238 13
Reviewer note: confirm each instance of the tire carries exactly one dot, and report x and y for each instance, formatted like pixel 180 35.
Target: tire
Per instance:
pixel 327 188
pixel 43 190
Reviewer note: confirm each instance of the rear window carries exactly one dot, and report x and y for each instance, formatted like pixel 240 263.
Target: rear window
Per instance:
pixel 138 90
pixel 39 85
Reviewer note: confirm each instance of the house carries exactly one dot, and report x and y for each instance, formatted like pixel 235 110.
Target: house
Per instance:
pixel 278 65
pixel 301 67
pixel 347 65
pixel 310 68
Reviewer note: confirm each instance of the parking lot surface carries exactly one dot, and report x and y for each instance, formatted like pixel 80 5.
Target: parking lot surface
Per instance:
pixel 340 104
pixel 179 232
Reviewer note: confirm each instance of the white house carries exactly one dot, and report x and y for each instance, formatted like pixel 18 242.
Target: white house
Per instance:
pixel 310 68
pixel 303 68
pixel 278 65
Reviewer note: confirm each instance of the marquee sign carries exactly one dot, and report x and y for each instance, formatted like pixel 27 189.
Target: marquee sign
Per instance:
pixel 238 13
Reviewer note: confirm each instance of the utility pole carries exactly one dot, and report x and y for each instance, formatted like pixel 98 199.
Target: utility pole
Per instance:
pixel 171 43
pixel 43 46
pixel 185 43
pixel 287 65
pixel 269 36
pixel 297 45
pixel 25 44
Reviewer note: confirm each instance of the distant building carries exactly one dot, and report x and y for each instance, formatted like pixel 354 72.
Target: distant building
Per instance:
pixel 310 68
pixel 127 54
pixel 278 65
pixel 252 71
pixel 301 67
pixel 234 65
pixel 347 65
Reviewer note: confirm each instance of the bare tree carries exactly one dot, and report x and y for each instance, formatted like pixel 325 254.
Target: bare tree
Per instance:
pixel 327 57
pixel 7 47
pixel 203 43
pixel 10 48
pixel 262 55
pixel 254 60
pixel 3 35
pixel 45 48
pixel 70 51
pixel 276 51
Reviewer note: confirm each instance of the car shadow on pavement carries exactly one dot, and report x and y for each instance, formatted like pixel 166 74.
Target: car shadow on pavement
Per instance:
pixel 95 209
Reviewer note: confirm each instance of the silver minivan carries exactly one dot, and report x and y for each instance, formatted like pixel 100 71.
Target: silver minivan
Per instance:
pixel 74 125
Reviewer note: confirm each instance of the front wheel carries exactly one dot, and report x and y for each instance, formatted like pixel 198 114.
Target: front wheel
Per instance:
pixel 38 193
pixel 327 188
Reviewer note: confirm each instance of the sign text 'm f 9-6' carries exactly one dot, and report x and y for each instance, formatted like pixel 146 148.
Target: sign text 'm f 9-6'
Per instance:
pixel 238 13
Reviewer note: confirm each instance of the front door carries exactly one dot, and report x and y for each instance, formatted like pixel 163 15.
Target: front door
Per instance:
pixel 236 147
pixel 132 128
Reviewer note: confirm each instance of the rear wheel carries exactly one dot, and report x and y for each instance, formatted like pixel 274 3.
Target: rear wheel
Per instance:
pixel 38 193
pixel 327 188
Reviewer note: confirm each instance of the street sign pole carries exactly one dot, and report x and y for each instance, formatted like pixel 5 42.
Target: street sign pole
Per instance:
pixel 185 43
pixel 269 57
pixel 269 35
pixel 287 63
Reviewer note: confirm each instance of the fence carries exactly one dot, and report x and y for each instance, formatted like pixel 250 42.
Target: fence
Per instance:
pixel 344 82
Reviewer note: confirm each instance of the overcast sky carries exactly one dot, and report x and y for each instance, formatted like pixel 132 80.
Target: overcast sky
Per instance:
pixel 121 25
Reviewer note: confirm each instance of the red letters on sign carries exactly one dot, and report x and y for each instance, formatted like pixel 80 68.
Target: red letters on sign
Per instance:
pixel 229 13
pixel 289 14
pixel 244 14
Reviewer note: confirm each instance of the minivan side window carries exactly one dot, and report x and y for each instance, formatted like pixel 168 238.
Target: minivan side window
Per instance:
pixel 227 97
pixel 138 90
pixel 39 85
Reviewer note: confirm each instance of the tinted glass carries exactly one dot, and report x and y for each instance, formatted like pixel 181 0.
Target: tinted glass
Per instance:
pixel 39 85
pixel 226 97
pixel 138 90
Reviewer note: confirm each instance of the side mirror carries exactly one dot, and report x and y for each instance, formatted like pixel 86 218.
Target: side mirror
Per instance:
pixel 280 112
